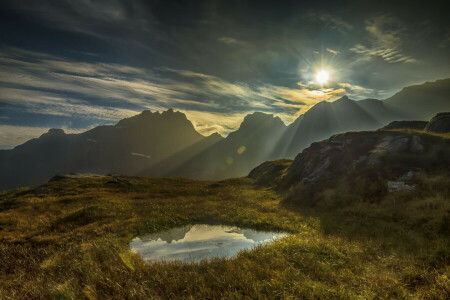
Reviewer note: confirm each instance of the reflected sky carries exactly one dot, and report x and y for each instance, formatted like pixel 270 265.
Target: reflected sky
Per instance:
pixel 193 243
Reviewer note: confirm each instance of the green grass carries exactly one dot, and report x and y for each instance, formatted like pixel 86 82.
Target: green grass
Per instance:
pixel 69 239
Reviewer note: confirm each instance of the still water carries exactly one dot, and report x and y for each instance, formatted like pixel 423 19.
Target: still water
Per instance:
pixel 194 243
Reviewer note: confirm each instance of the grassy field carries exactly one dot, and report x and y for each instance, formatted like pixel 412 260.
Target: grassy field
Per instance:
pixel 69 239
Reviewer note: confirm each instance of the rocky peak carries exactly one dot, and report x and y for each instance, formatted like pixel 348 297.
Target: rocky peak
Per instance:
pixel 147 117
pixel 52 132
pixel 215 135
pixel 343 99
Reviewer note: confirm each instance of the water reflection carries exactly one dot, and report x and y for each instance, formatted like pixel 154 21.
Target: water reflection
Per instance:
pixel 197 242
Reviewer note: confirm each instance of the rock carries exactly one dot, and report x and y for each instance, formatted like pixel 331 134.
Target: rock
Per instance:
pixel 319 171
pixel 360 159
pixel 416 145
pixel 372 159
pixel 439 123
pixel 406 176
pixel 394 186
pixel 392 145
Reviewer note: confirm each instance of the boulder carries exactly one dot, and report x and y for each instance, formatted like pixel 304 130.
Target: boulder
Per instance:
pixel 439 123
pixel 407 176
pixel 394 186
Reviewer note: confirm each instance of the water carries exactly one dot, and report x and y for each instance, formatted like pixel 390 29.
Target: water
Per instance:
pixel 194 243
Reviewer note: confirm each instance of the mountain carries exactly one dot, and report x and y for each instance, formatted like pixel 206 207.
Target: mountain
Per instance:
pixel 129 146
pixel 419 102
pixel 169 165
pixel 254 141
pixel 328 118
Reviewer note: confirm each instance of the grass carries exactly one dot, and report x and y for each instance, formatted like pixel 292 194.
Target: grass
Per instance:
pixel 420 132
pixel 69 239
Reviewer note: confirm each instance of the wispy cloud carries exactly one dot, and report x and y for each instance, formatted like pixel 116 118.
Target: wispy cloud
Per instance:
pixel 356 91
pixel 333 21
pixel 335 52
pixel 230 41
pixel 385 40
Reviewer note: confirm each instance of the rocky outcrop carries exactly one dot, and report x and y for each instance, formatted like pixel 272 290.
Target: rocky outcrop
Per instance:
pixel 385 155
pixel 439 123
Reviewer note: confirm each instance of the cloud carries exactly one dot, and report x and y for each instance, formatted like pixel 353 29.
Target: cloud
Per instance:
pixel 333 21
pixel 385 40
pixel 390 55
pixel 230 41
pixel 207 122
pixel 333 51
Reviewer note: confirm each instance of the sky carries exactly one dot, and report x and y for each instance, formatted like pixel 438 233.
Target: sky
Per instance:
pixel 77 64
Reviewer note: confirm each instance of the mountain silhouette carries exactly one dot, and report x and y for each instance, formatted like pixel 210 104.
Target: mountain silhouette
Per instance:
pixel 421 102
pixel 328 118
pixel 167 144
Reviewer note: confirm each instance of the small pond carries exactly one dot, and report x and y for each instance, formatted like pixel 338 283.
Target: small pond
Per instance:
pixel 193 243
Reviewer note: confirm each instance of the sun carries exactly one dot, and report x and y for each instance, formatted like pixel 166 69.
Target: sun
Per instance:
pixel 322 76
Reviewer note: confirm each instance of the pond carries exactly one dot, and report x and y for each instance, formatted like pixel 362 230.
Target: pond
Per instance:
pixel 193 243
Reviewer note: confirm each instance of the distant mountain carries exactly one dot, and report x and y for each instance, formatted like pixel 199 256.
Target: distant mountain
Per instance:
pixel 328 118
pixel 133 144
pixel 421 102
pixel 170 166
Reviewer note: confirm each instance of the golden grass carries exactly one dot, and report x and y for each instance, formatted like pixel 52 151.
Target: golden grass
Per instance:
pixel 417 131
pixel 69 239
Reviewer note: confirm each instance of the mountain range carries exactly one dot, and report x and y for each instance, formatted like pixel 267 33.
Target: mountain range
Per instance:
pixel 167 144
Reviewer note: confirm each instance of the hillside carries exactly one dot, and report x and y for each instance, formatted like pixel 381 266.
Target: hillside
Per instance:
pixel 69 239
